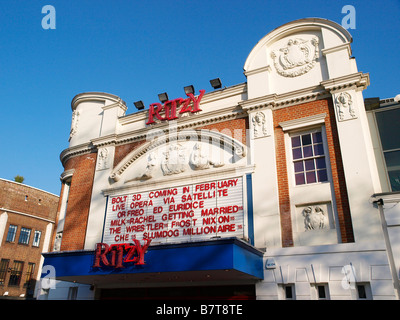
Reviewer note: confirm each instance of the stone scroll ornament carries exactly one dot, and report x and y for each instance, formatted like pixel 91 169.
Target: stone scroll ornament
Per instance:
pixel 297 57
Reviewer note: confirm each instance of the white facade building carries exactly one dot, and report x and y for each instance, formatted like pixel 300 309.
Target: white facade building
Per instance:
pixel 264 186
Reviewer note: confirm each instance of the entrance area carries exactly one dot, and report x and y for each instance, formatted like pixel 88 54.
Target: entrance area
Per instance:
pixel 237 292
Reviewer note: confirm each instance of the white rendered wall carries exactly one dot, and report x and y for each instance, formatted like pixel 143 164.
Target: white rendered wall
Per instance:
pixel 306 266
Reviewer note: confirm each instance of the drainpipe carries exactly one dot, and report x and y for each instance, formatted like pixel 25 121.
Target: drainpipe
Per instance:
pixel 389 251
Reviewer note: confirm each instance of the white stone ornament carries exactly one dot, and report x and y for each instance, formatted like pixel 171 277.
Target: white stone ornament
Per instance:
pixel 151 166
pixel 102 159
pixel 345 107
pixel 74 123
pixel 315 218
pixel 200 159
pixel 297 58
pixel 260 128
pixel 174 160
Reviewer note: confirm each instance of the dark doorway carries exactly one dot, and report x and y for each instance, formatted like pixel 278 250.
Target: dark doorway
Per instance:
pixel 238 292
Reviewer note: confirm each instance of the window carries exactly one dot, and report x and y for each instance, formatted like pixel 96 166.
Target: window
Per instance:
pixel 289 292
pixel 3 270
pixel 12 231
pixel 361 292
pixel 29 274
pixel 72 293
pixel 309 158
pixel 321 292
pixel 389 132
pixel 364 291
pixel 16 273
pixel 36 238
pixel 24 236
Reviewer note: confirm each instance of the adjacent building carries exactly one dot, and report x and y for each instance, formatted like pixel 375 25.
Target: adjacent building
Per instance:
pixel 261 190
pixel 27 221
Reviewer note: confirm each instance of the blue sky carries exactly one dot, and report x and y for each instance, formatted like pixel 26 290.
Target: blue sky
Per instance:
pixel 137 49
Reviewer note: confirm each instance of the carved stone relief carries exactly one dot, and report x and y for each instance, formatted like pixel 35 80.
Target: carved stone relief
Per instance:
pixel 74 123
pixel 345 107
pixel 260 125
pixel 200 159
pixel 152 162
pixel 174 160
pixel 315 218
pixel 297 57
pixel 103 159
pixel 57 241
pixel 198 152
pixel 314 224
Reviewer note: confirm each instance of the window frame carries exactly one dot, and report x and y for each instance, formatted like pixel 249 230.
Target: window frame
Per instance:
pixel 291 289
pixel 321 286
pixel 14 235
pixel 29 274
pixel 291 161
pixel 16 274
pixel 4 263
pixel 379 136
pixel 22 236
pixel 34 242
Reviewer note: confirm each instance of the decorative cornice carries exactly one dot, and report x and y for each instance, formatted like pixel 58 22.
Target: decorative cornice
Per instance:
pixel 27 215
pixel 96 96
pixel 357 80
pixel 240 110
pixel 302 122
pixel 256 71
pixel 76 151
pixel 67 174
pixel 200 119
pixel 344 46
pixel 277 101
pixel 117 104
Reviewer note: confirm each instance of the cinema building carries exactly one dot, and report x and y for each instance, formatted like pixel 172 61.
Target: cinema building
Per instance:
pixel 261 190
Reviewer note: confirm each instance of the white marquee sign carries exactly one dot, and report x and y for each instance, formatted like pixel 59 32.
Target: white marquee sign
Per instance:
pixel 185 213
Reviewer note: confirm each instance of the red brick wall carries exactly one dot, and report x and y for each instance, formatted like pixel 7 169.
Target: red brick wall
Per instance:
pixel 343 209
pixel 229 127
pixel 123 150
pixel 22 198
pixel 78 201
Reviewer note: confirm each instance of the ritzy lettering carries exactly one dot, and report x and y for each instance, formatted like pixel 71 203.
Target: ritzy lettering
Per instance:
pixel 171 108
pixel 116 255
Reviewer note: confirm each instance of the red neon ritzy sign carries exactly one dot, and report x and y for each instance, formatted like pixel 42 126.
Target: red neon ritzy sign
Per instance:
pixel 170 107
pixel 113 255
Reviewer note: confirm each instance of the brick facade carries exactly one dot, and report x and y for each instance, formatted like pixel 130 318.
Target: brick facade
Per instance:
pixel 24 207
pixel 339 184
pixel 81 186
pixel 78 201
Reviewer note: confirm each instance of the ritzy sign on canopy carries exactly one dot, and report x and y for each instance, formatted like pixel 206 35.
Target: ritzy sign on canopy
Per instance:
pixel 116 255
pixel 171 108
